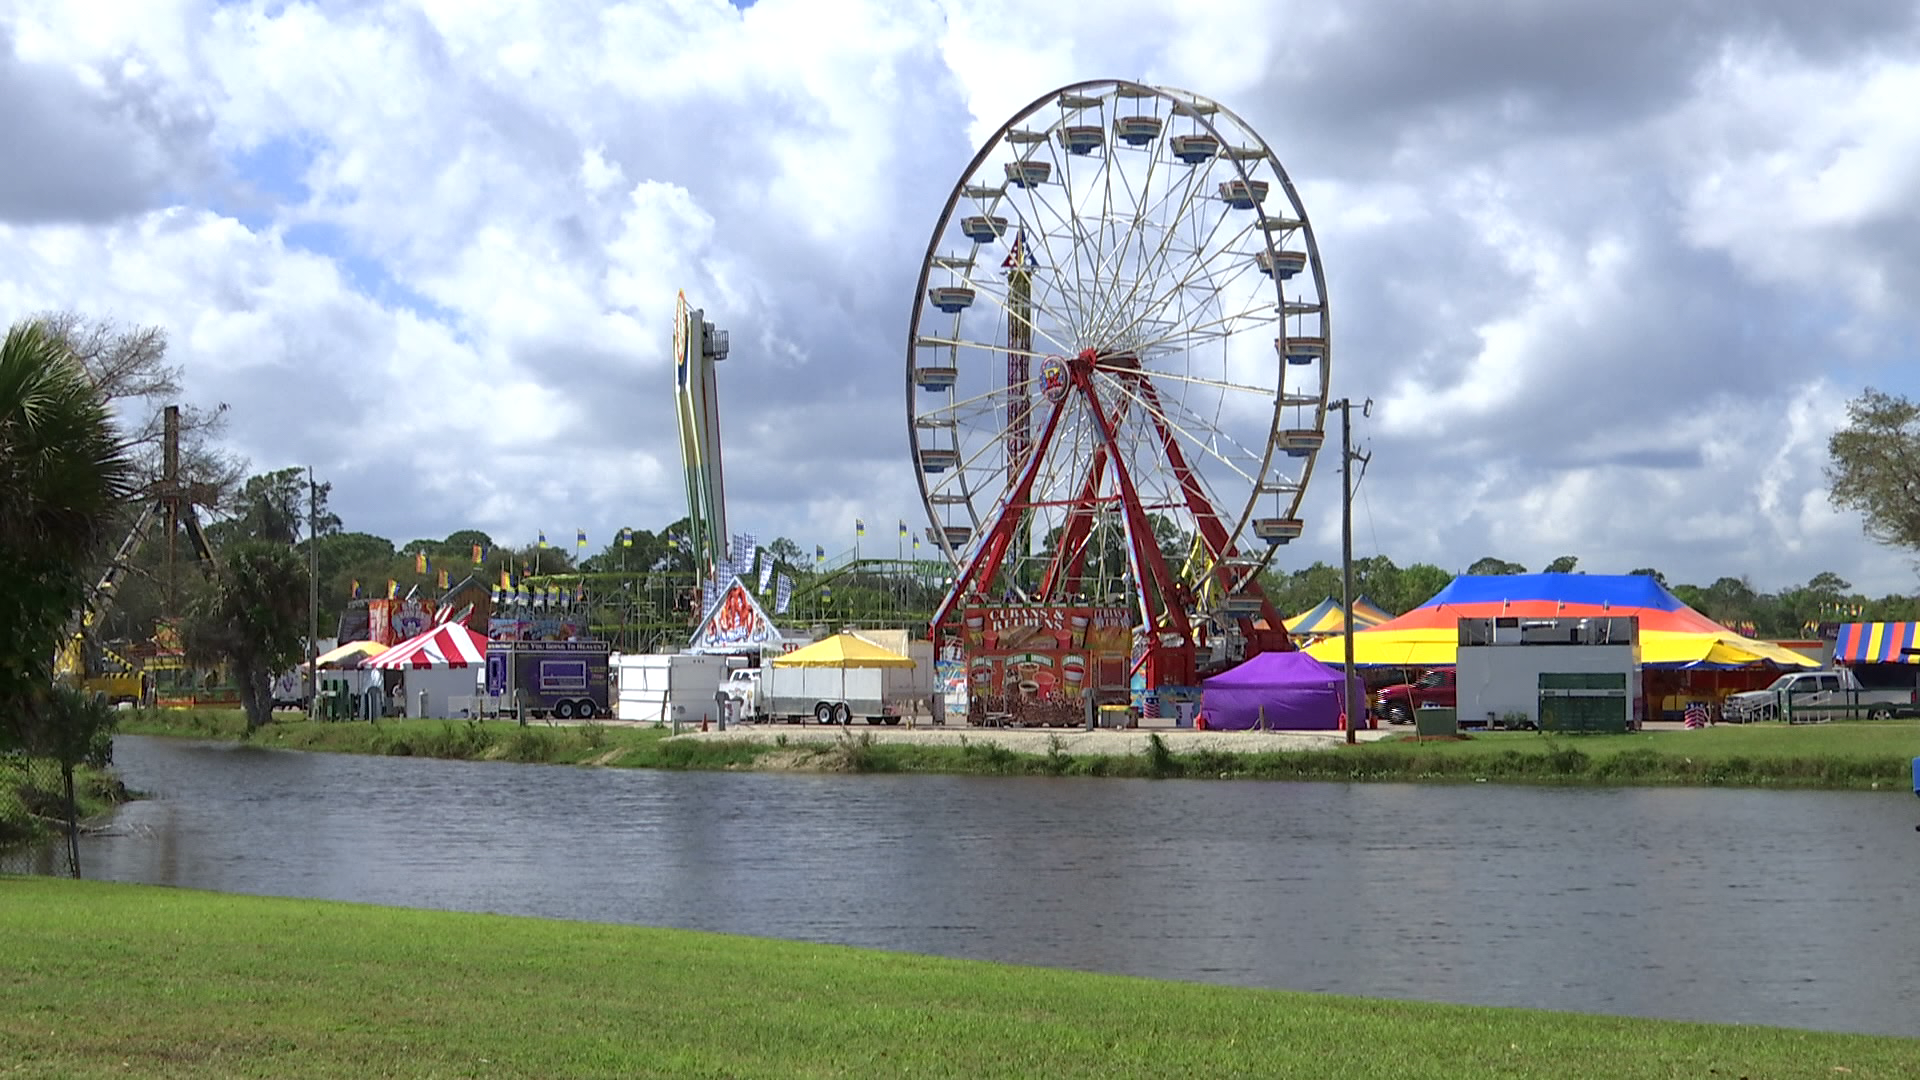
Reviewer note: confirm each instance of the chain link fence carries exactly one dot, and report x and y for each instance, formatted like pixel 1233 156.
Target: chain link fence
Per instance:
pixel 35 814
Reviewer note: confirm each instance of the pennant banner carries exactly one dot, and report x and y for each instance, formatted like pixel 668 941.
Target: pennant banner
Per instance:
pixel 782 595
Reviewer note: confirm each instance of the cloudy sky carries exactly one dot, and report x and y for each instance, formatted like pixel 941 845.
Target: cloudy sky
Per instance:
pixel 1609 269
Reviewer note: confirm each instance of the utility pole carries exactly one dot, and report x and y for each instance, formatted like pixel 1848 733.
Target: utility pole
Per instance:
pixel 1347 458
pixel 313 597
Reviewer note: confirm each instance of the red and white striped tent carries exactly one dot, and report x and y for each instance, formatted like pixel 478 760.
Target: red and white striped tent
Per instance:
pixel 448 645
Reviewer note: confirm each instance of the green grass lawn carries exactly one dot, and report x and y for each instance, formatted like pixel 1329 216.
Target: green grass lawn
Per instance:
pixel 120 980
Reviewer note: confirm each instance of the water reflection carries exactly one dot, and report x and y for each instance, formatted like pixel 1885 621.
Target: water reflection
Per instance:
pixel 1763 907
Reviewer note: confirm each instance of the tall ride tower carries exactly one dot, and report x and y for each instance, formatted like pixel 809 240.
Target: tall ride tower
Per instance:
pixel 697 346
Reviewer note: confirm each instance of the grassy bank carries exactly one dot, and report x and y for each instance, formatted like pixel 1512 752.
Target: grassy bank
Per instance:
pixel 118 980
pixel 33 802
pixel 465 740
pixel 1867 755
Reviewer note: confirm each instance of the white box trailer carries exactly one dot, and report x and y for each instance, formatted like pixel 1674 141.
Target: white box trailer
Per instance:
pixel 841 695
pixel 659 688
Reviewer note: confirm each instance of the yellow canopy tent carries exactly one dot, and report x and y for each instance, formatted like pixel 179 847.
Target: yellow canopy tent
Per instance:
pixel 844 651
pixel 349 655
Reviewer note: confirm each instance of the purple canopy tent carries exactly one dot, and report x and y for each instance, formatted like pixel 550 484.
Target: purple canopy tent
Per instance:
pixel 1297 692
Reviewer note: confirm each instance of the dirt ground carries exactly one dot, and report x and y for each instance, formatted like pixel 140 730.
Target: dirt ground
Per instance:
pixel 1036 740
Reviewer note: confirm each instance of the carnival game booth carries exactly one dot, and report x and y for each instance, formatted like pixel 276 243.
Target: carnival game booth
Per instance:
pixel 439 671
pixel 1278 691
pixel 1683 654
pixel 1883 655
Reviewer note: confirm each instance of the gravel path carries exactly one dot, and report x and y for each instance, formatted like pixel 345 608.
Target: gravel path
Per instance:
pixel 1035 740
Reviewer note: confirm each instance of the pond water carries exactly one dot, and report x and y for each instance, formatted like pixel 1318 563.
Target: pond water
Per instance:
pixel 1790 908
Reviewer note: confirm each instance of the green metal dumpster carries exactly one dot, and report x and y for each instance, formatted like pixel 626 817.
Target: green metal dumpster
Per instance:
pixel 1436 720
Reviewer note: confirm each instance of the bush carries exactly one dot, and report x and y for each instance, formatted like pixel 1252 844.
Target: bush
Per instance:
pixel 529 745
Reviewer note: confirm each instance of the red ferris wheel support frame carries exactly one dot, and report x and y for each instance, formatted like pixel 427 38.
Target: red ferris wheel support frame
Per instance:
pixel 1164 599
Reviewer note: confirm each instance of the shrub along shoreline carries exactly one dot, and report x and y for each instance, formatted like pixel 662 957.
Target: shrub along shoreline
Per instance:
pixel 33 804
pixel 117 980
pixel 1854 756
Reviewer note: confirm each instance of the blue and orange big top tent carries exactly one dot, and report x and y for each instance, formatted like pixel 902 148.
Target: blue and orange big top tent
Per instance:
pixel 1671 633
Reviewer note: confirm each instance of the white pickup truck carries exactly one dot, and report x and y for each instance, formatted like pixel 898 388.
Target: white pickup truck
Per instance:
pixel 1819 695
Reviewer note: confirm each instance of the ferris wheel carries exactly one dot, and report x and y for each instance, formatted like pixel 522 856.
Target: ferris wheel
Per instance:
pixel 1118 363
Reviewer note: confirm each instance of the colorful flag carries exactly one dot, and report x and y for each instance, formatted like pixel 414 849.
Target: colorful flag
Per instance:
pixel 356 588
pixel 826 594
pixel 543 538
pixel 819 554
pixel 580 538
pixel 626 538
pixel 420 562
pixel 393 588
pixel 782 594
pixel 479 554
pixel 903 529
pixel 916 543
pixel 766 572
pixel 1017 255
pixel 443 578
pixel 859 527
pixel 506 578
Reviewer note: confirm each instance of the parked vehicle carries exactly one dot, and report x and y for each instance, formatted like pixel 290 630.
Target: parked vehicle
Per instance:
pixel 1395 704
pixel 1834 694
pixel 563 679
pixel 290 689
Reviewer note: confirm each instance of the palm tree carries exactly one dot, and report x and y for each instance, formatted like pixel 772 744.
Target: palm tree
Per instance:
pixel 63 472
pixel 63 467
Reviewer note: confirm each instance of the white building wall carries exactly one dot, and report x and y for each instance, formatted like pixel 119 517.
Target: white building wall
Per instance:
pixel 1502 679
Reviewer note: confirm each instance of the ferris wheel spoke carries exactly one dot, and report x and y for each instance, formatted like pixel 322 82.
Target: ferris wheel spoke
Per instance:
pixel 1069 216
pixel 958 343
pixel 1247 454
pixel 1220 329
pixel 1256 392
pixel 976 405
pixel 1052 264
pixel 1200 262
pixel 1196 179
pixel 1153 409
pixel 1109 260
pixel 1004 300
pixel 1169 231
pixel 1256 462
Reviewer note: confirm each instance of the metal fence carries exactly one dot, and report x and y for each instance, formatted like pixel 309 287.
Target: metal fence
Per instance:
pixel 34 816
